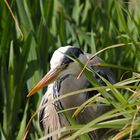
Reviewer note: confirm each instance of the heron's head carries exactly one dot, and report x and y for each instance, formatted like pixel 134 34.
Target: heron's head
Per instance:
pixel 62 62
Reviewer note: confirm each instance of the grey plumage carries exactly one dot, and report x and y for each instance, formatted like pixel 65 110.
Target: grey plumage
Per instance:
pixel 67 82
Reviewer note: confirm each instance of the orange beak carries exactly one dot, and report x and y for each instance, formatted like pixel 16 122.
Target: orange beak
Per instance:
pixel 51 76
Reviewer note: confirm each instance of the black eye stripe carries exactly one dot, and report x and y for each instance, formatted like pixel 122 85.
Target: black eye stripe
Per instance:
pixel 72 52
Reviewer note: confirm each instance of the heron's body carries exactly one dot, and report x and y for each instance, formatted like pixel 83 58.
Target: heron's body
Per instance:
pixel 67 82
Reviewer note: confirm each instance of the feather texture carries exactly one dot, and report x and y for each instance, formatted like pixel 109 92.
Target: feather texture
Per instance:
pixel 66 83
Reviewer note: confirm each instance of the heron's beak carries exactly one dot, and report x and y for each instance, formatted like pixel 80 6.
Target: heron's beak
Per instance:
pixel 51 76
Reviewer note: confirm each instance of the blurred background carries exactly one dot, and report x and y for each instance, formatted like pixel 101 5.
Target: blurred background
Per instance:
pixel 42 26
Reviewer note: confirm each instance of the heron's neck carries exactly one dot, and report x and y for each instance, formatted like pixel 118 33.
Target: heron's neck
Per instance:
pixel 69 83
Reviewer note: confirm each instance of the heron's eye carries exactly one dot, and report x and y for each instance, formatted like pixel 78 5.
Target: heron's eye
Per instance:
pixel 63 66
pixel 71 53
pixel 66 61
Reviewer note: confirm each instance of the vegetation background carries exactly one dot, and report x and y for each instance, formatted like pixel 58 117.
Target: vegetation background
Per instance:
pixel 37 28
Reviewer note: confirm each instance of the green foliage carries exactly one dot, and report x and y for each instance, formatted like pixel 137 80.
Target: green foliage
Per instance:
pixel 91 25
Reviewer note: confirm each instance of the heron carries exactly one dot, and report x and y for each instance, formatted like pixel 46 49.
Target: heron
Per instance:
pixel 62 79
